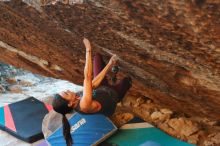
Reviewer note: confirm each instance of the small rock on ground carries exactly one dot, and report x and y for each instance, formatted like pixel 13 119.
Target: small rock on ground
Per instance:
pixel 213 140
pixel 2 89
pixel 183 126
pixel 14 89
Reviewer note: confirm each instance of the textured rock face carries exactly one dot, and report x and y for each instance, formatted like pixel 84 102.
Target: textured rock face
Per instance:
pixel 171 49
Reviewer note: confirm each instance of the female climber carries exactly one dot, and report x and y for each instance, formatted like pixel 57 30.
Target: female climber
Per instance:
pixel 98 95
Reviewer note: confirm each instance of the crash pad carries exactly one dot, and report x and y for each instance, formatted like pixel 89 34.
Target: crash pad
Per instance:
pixel 86 129
pixel 42 143
pixel 140 133
pixel 23 119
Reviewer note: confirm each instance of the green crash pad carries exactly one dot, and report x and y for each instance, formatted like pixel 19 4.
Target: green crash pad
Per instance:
pixel 143 134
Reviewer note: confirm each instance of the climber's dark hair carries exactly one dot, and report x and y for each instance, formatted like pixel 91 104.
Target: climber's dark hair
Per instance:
pixel 60 105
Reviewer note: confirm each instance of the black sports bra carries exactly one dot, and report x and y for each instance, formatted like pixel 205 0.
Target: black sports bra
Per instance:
pixel 106 96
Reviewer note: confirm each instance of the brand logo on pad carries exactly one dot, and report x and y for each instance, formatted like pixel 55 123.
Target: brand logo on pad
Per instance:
pixel 77 125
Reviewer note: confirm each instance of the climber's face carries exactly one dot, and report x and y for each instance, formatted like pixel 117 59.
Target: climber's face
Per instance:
pixel 71 97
